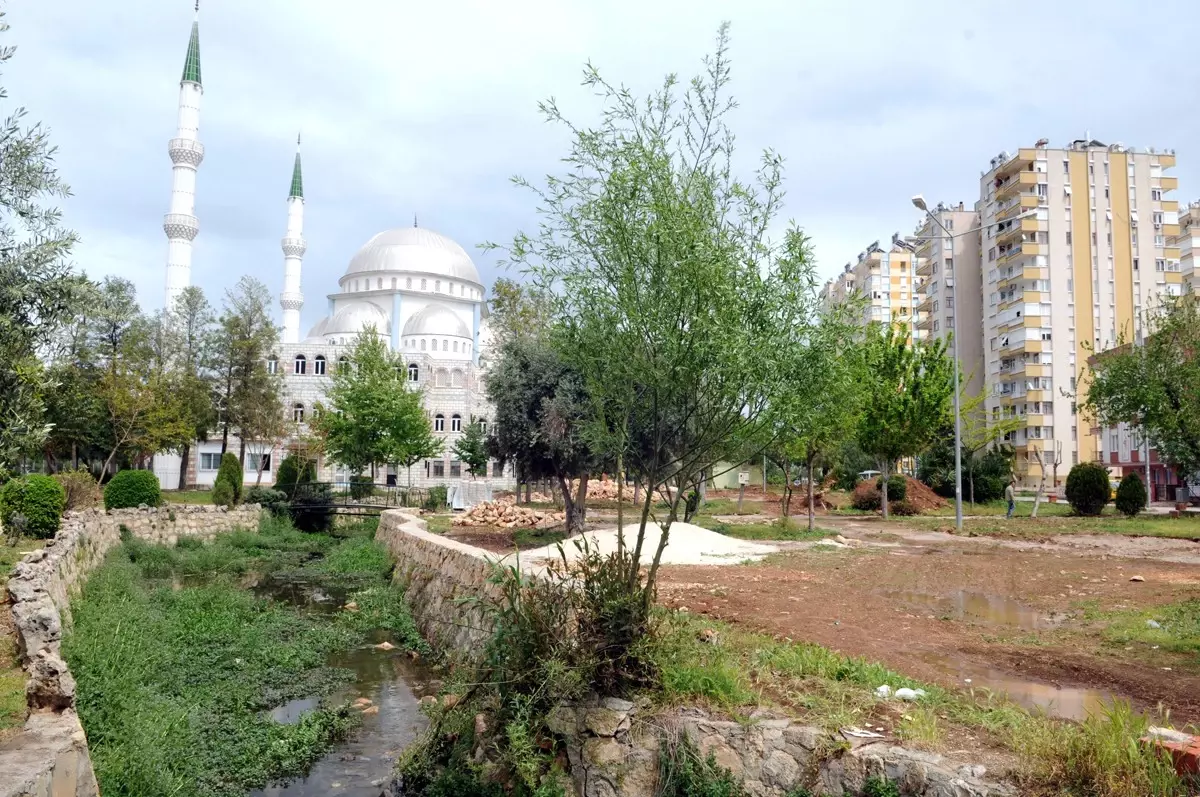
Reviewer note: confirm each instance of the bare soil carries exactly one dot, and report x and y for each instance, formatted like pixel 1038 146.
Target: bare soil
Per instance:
pixel 965 613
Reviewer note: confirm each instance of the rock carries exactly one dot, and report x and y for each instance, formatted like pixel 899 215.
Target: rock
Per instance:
pixel 562 721
pixel 603 752
pixel 710 636
pixel 972 771
pixel 716 746
pixel 371 710
pixel 1136 578
pixel 50 685
pixel 450 700
pixel 385 646
pixel 362 702
pixel 352 606
pixel 429 700
pixel 605 721
pixel 1153 624
pixel 780 770
pixel 480 725
pixel 617 704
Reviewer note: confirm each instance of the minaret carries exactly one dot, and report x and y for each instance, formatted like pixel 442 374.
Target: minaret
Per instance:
pixel 291 300
pixel 186 152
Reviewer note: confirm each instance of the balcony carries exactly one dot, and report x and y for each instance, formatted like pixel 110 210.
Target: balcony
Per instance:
pixel 1026 249
pixel 1168 183
pixel 1022 181
pixel 1021 161
pixel 1025 203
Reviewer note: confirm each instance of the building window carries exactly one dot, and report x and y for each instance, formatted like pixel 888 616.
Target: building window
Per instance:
pixel 456 378
pixel 451 287
pixel 422 284
pixel 445 345
pixel 456 423
pixel 482 425
pixel 497 470
pixel 439 423
pixel 210 460
pixel 439 468
pixel 437 285
pixel 1114 440
pixel 254 461
pixel 455 346
pixel 343 365
pixel 379 283
pixel 408 282
pixel 455 469
pixel 393 283
pixel 422 344
pixel 319 366
pixel 272 365
pixel 414 373
pixel 298 413
pixel 439 378
pixel 301 364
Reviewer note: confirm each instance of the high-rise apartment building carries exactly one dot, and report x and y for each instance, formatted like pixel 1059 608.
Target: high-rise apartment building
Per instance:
pixel 1075 243
pixel 1188 243
pixel 886 281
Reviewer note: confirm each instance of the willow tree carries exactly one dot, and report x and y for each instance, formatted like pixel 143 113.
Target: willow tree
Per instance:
pixel 665 291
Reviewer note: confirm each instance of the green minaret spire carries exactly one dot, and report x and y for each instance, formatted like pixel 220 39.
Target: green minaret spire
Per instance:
pixel 191 65
pixel 297 179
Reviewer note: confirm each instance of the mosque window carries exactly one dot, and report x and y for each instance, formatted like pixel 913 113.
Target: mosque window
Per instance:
pixel 456 423
pixel 450 287
pixel 343 365
pixel 379 283
pixel 422 284
pixel 439 423
pixel 439 378
pixel 414 372
pixel 422 344
pixel 482 425
pixel 319 366
pixel 456 345
pixel 356 285
pixel 408 282
pixel 456 378
pixel 272 365
pixel 437 285
pixel 497 470
pixel 445 345
pixel 393 283
pixel 301 364
pixel 298 413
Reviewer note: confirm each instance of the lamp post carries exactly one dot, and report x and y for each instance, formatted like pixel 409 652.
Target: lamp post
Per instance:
pixel 919 202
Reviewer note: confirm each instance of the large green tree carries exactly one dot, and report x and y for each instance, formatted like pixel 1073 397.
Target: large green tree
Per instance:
pixel 193 335
pixel 1156 385
pixel 38 288
pixel 667 294
pixel 246 339
pixel 471 449
pixel 371 416
pixel 907 391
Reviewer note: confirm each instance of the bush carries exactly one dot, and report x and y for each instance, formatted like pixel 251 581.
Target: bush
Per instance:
pixel 132 488
pixel 274 501
pixel 867 497
pixel 316 513
pixel 897 487
pixel 361 487
pixel 987 488
pixel 33 505
pixel 230 472
pixel 436 499
pixel 294 470
pixel 81 489
pixel 1131 495
pixel 902 508
pixel 222 493
pixel 1088 488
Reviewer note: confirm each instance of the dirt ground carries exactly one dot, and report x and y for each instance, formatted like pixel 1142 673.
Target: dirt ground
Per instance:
pixel 965 613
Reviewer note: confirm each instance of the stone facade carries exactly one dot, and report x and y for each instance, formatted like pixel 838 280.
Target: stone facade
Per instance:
pixel 49 758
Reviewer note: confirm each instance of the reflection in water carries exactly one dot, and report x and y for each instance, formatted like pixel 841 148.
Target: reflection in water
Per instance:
pixel 977 607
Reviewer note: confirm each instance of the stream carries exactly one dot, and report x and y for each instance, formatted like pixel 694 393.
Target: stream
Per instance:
pixel 359 765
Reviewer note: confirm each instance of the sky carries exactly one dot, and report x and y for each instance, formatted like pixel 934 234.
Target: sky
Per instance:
pixel 431 108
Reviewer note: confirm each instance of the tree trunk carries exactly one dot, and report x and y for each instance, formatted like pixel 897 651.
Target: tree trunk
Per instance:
pixel 184 455
pixel 971 477
pixel 637 493
pixel 74 455
pixel 703 489
pixel 811 501
pixel 574 507
pixel 1037 499
pixel 620 504
pixel 883 492
pixel 785 503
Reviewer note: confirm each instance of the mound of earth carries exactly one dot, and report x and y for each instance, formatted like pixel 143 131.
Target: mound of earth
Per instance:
pixel 687 544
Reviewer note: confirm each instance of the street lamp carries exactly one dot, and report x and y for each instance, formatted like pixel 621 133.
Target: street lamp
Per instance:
pixel 919 202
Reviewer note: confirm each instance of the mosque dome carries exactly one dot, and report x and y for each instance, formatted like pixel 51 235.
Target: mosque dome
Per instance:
pixel 413 250
pixel 436 319
pixel 352 319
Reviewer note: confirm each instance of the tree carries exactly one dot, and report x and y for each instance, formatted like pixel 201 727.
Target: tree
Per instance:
pixel 1088 488
pixel 1155 385
pixel 1046 461
pixel 1131 495
pixel 517 310
pixel 246 339
pixel 38 289
pixel 907 390
pixel 372 416
pixel 666 294
pixel 193 334
pixel 981 457
pixel 471 449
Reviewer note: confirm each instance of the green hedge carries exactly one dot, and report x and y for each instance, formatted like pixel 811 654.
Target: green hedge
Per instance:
pixel 230 472
pixel 1131 495
pixel 1088 488
pixel 274 501
pixel 132 488
pixel 33 505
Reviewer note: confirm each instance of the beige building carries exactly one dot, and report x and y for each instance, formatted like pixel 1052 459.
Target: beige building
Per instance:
pixel 1076 242
pixel 885 279
pixel 1188 243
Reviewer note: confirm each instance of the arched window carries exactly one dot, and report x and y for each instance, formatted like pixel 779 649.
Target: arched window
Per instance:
pixel 408 282
pixel 483 425
pixel 445 345
pixel 455 345
pixel 272 364
pixel 356 285
pixel 456 378
pixel 379 283
pixel 422 284
pixel 439 423
pixel 319 366
pixel 298 412
pixel 456 422
pixel 439 378
pixel 422 344
pixel 450 287
pixel 301 364
pixel 437 285
pixel 343 365
pixel 414 373
pixel 393 283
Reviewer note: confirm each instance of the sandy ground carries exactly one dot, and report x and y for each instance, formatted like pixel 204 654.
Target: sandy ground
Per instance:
pixel 687 544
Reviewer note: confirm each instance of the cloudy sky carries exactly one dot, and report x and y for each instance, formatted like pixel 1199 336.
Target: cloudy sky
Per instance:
pixel 429 108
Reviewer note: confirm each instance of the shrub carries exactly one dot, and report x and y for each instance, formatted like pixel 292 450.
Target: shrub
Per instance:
pixel 231 473
pixel 436 499
pixel 361 487
pixel 684 772
pixel 1088 488
pixel 902 508
pixel 81 489
pixel 132 488
pixel 316 513
pixel 222 494
pixel 274 501
pixel 866 497
pixel 987 488
pixel 33 505
pixel 897 487
pixel 1131 495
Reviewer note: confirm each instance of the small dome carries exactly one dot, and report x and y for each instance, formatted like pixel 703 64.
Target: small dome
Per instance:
pixel 436 319
pixel 352 319
pixel 414 250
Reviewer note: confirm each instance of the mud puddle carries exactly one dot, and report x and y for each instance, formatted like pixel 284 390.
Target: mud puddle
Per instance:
pixel 976 607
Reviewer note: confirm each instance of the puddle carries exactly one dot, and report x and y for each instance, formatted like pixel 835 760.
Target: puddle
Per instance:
pixel 976 607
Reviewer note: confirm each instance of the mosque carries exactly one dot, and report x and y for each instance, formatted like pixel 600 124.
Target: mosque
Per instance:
pixel 417 289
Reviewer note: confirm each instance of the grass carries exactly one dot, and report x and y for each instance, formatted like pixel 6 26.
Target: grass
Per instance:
pixel 438 524
pixel 12 677
pixel 780 529
pixel 1141 526
pixel 1174 627
pixel 732 669
pixel 1000 507
pixel 187 496
pixel 174 683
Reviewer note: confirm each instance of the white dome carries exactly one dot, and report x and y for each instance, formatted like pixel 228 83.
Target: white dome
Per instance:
pixel 352 319
pixel 414 250
pixel 436 319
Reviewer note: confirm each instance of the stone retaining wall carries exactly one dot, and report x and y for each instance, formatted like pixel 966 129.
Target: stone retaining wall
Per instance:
pixel 49 758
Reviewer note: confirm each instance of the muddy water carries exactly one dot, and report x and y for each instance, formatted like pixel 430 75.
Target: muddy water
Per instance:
pixel 358 766
pixel 977 607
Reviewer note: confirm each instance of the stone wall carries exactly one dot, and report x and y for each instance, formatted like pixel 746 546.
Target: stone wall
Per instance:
pixel 49 757
pixel 443 581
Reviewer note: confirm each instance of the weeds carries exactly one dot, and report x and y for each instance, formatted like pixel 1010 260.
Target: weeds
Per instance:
pixel 683 772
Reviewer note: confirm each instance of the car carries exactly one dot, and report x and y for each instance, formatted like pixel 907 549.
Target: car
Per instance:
pixel 869 474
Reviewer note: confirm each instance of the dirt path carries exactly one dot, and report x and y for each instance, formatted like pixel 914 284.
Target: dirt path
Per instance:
pixel 964 613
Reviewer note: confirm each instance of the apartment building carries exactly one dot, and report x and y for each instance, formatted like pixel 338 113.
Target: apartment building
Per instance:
pixel 1075 243
pixel 948 253
pixel 885 279
pixel 1188 243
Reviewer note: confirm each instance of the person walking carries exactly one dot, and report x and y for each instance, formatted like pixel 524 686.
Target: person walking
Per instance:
pixel 1010 495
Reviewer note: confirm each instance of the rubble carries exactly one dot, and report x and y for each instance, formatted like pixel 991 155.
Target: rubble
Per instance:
pixel 507 515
